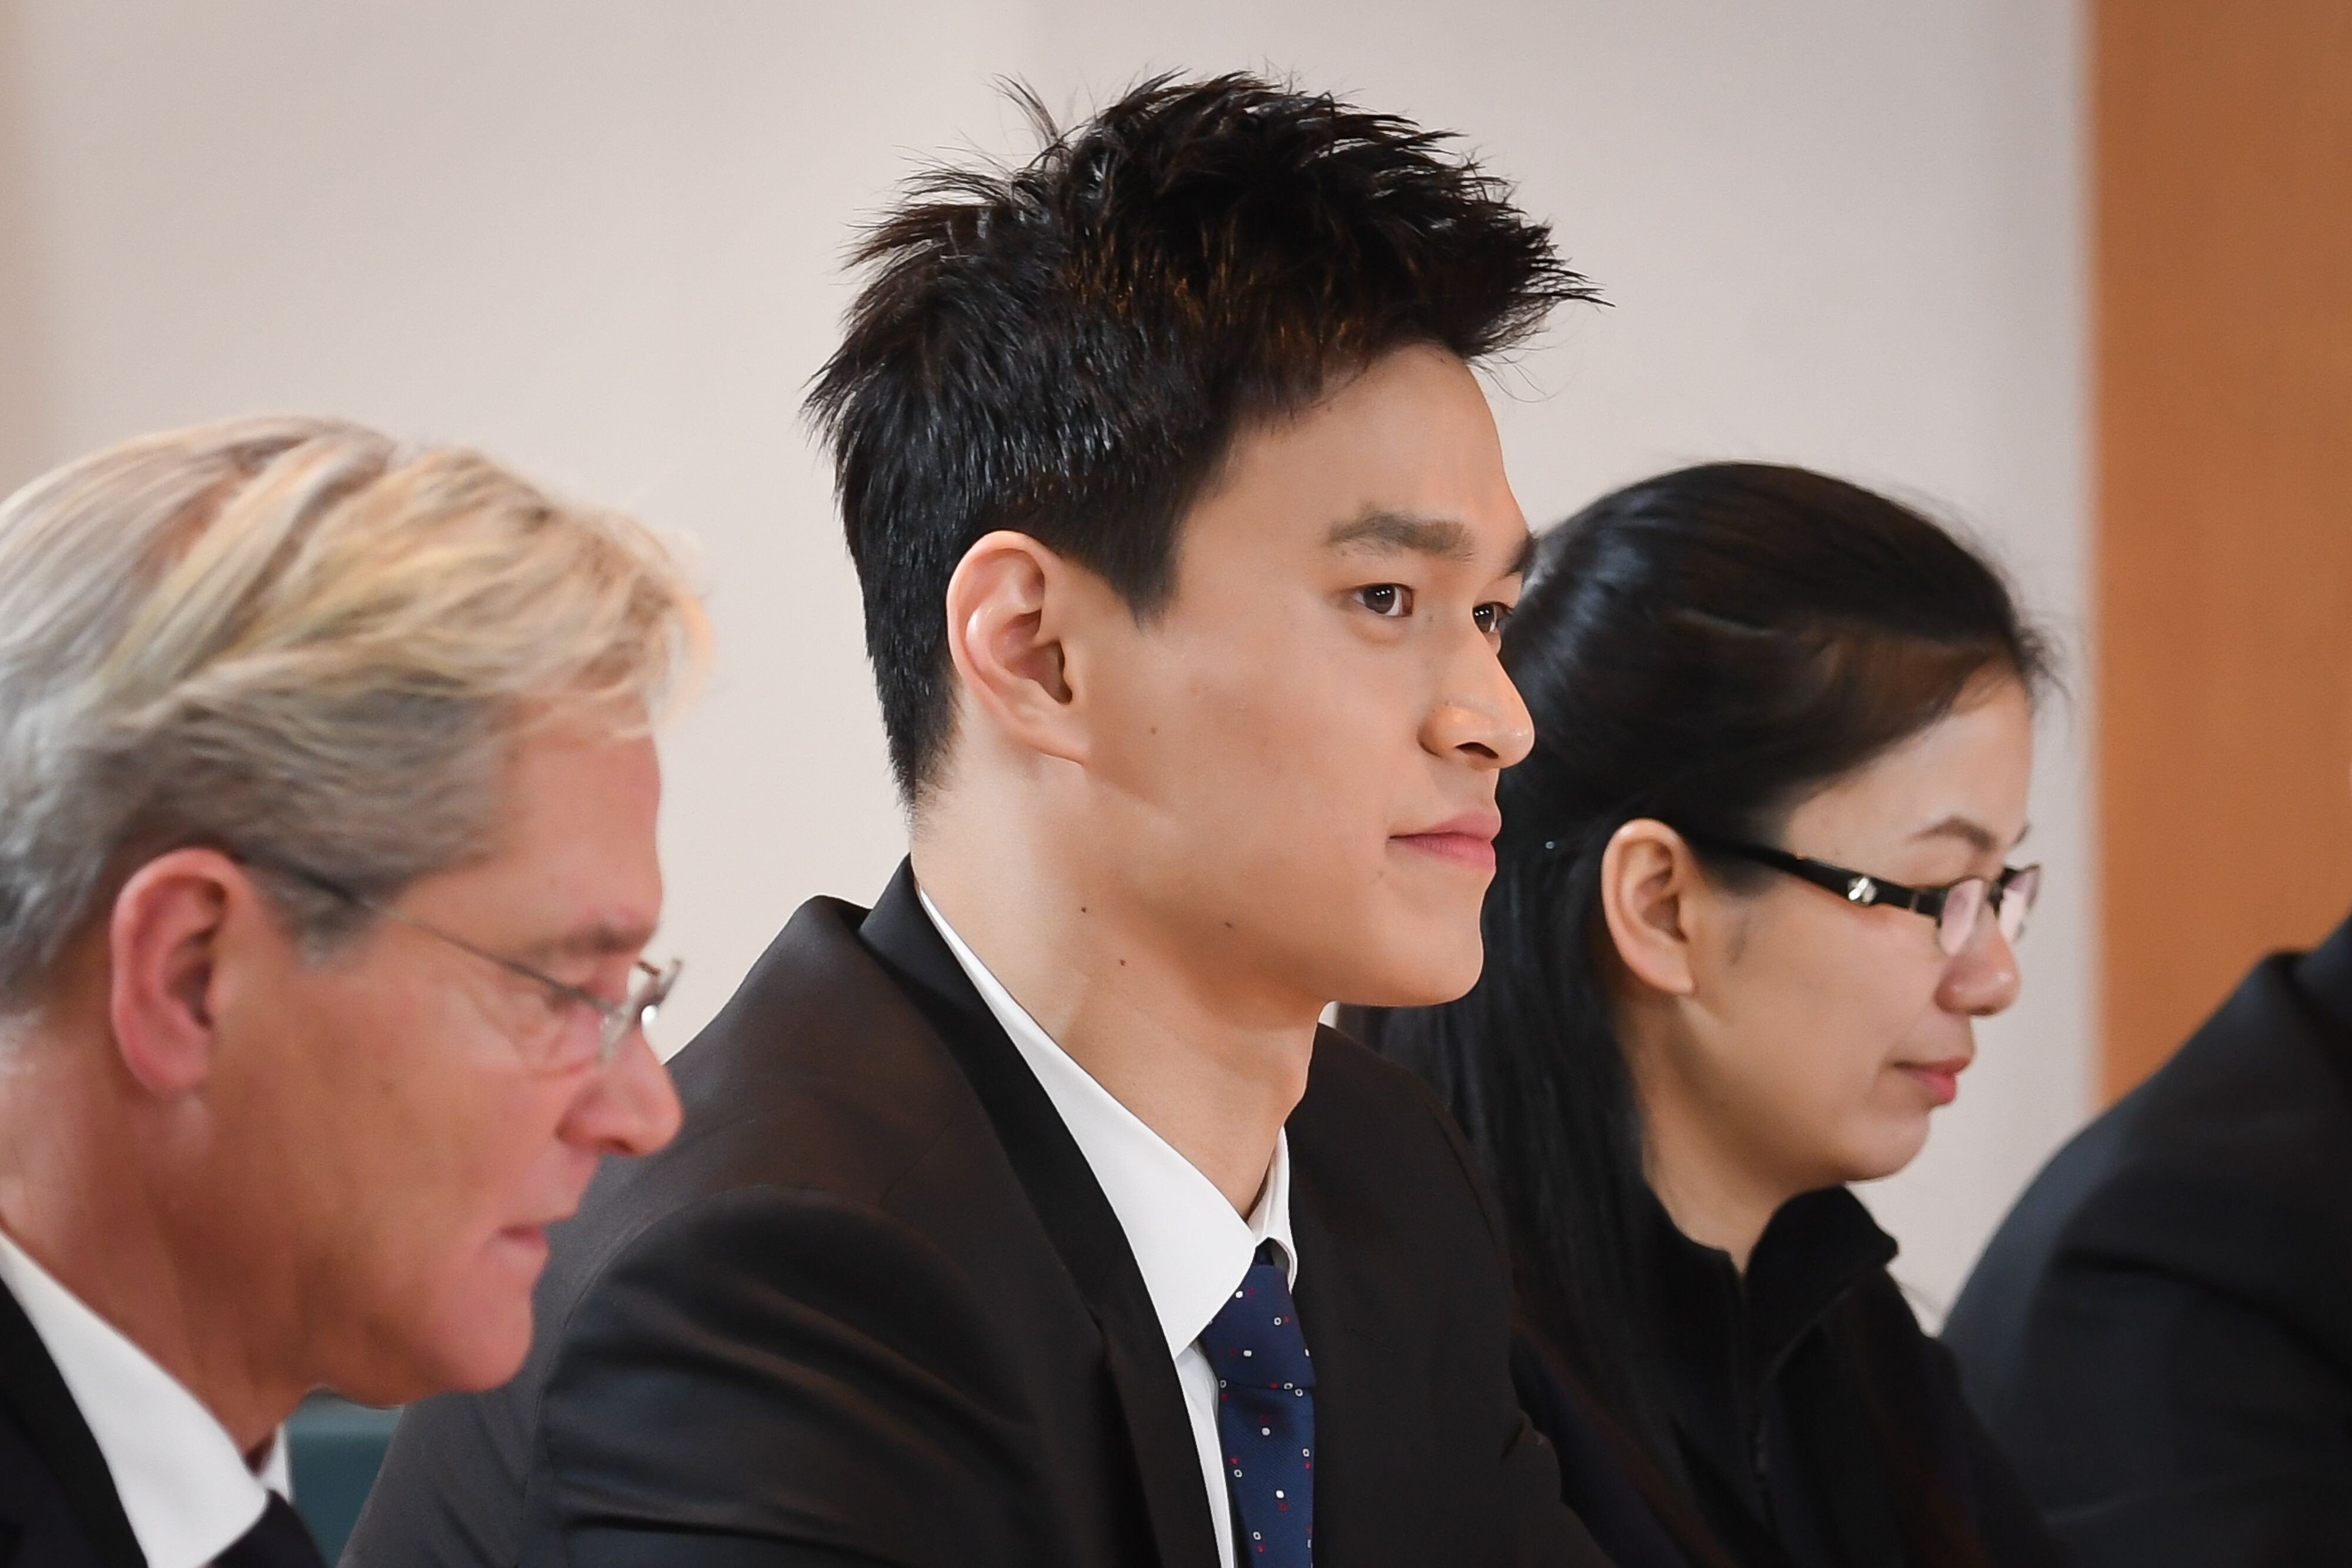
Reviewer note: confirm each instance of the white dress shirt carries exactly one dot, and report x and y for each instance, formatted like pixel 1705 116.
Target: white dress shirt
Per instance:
pixel 185 1489
pixel 1191 1246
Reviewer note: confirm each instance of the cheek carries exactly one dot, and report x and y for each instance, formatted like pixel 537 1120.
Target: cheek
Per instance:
pixel 459 1269
pixel 1255 783
pixel 1810 1031
pixel 445 1170
pixel 477 1162
pixel 1255 752
pixel 476 1330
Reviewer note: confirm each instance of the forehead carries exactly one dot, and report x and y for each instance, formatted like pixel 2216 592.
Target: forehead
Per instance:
pixel 1971 767
pixel 573 853
pixel 1411 436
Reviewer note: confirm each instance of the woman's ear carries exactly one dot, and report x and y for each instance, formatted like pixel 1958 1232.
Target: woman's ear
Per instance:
pixel 1007 606
pixel 1648 876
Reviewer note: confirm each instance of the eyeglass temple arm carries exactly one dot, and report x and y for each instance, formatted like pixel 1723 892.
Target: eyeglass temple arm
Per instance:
pixel 1850 885
pixel 511 965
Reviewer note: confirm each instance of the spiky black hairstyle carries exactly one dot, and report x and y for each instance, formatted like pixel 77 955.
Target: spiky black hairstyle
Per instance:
pixel 1070 347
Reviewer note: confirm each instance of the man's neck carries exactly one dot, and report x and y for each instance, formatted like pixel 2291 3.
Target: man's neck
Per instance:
pixel 1209 1062
pixel 70 1200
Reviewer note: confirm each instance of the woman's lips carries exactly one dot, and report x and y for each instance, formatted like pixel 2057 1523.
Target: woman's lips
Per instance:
pixel 1941 1078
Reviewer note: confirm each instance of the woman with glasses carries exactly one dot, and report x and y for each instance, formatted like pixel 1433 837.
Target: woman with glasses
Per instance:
pixel 1753 892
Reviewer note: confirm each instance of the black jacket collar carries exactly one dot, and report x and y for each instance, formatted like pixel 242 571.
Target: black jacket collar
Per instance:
pixel 40 1403
pixel 1070 1204
pixel 1726 1337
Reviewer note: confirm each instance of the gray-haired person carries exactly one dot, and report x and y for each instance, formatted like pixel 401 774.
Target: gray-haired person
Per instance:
pixel 326 860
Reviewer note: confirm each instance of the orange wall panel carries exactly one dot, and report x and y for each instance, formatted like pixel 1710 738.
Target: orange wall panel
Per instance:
pixel 2224 364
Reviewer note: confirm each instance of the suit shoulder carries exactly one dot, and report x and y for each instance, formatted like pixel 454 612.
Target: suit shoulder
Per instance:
pixel 1374 1124
pixel 2249 1111
pixel 701 1325
pixel 2261 1066
pixel 1348 1073
pixel 2226 1170
pixel 1358 1098
pixel 820 1073
pixel 818 1098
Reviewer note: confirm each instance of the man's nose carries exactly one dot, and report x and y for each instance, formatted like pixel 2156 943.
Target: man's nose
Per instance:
pixel 629 1106
pixel 1481 717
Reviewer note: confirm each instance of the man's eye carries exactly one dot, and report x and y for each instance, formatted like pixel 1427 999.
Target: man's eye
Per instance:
pixel 1492 617
pixel 1390 600
pixel 567 993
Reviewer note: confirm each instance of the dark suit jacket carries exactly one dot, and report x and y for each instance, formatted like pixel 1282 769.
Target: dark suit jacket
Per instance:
pixel 58 1502
pixel 2161 1332
pixel 871 1307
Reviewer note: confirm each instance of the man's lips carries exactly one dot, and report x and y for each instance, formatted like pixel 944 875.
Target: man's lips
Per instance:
pixel 1466 840
pixel 533 1232
pixel 1941 1078
pixel 528 1239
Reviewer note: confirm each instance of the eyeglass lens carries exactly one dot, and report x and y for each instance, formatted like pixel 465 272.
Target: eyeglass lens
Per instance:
pixel 644 1003
pixel 2017 902
pixel 1965 902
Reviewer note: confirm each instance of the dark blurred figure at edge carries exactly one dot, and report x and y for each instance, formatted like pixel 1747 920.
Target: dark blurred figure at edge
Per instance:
pixel 2161 1331
pixel 1752 897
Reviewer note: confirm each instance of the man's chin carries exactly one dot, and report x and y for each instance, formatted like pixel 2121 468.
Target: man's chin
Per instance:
pixel 475 1340
pixel 421 1371
pixel 477 1356
pixel 1420 979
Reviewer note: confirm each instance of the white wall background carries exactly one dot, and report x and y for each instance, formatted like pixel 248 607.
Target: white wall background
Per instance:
pixel 601 240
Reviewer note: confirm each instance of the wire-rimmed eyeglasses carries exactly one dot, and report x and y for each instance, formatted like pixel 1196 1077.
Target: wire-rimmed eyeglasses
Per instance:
pixel 617 1021
pixel 1954 907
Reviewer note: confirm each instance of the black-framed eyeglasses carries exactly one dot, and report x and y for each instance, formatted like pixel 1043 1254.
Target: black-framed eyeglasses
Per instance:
pixel 1954 907
pixel 616 1020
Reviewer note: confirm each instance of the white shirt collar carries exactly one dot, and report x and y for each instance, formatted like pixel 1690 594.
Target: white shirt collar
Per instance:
pixel 1191 1246
pixel 184 1486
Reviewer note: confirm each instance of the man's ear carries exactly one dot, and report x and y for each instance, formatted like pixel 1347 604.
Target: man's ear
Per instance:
pixel 1647 877
pixel 1009 607
pixel 165 937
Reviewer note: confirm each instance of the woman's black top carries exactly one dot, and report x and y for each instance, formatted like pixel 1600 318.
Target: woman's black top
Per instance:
pixel 1816 1426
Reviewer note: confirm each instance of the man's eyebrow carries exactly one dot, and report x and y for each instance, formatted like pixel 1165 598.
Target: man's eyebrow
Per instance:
pixel 601 940
pixel 1525 558
pixel 1440 539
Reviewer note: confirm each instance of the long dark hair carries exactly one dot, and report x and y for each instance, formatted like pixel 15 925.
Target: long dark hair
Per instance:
pixel 1706 648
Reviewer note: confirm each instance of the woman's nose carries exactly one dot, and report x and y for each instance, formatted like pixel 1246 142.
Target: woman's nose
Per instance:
pixel 1982 978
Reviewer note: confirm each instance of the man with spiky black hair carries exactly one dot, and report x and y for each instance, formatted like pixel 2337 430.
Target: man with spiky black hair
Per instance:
pixel 1029 1218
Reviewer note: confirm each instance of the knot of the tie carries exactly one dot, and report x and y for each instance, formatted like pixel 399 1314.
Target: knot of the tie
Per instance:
pixel 1266 1416
pixel 278 1540
pixel 1255 1340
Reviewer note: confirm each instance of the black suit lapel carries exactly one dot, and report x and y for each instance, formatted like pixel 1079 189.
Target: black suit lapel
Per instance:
pixel 2325 974
pixel 1355 1416
pixel 41 1405
pixel 1070 1204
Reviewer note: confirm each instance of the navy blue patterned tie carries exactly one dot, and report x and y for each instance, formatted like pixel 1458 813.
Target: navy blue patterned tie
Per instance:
pixel 1266 1416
